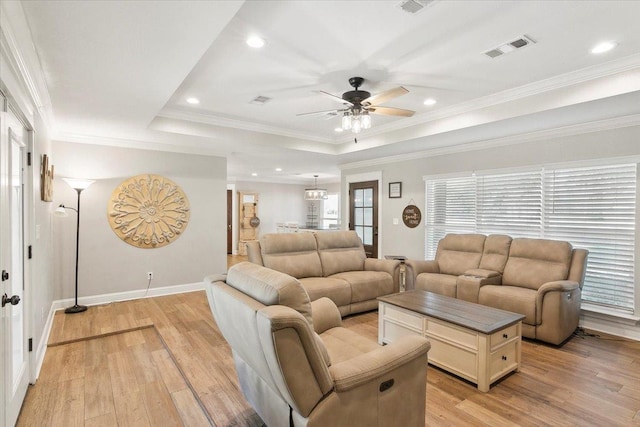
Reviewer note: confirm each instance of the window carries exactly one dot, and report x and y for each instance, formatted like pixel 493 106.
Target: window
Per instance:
pixel 331 211
pixel 591 207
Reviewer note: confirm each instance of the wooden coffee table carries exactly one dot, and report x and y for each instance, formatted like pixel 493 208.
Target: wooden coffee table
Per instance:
pixel 479 343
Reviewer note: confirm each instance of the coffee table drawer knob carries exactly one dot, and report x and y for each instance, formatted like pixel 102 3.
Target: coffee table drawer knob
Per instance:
pixel 504 357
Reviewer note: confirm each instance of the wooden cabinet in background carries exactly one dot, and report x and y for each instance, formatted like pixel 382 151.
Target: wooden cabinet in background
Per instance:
pixel 249 222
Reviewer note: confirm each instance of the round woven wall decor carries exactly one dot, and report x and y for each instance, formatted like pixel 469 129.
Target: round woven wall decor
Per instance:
pixel 148 211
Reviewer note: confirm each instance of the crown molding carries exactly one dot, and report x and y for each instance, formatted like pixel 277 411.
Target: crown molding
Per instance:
pixel 582 128
pixel 24 65
pixel 177 114
pixel 593 72
pixel 135 144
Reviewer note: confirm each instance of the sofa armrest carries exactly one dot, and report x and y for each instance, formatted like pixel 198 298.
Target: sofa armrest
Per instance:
pixel 367 367
pixel 391 266
pixel 556 286
pixel 253 252
pixel 325 315
pixel 414 267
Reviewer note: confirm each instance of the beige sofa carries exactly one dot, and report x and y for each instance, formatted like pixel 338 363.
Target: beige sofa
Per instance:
pixel 329 264
pixel 297 365
pixel 541 279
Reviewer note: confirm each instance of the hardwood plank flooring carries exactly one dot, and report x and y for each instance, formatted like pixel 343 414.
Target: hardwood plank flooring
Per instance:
pixel 590 381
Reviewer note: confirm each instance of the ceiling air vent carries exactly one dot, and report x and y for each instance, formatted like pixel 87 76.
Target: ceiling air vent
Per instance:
pixel 415 6
pixel 511 46
pixel 260 100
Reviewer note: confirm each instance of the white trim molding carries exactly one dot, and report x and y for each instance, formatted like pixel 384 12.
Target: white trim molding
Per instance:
pixel 626 326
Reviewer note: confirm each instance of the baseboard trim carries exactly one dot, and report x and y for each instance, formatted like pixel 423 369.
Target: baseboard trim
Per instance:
pixel 102 299
pixel 610 325
pixel 129 295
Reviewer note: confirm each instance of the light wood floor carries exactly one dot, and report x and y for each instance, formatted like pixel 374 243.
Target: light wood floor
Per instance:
pixel 162 361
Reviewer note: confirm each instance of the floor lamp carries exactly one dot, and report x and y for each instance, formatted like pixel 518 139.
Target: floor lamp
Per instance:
pixel 78 185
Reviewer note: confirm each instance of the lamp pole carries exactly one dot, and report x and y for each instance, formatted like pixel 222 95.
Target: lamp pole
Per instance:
pixel 77 308
pixel 78 185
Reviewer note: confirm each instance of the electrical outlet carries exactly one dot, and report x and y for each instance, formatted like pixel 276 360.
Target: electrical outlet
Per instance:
pixel 150 275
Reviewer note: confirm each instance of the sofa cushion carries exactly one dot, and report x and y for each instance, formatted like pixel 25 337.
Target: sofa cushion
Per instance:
pixel 337 290
pixel 511 298
pixel 340 251
pixel 458 253
pixel 534 262
pixel 443 284
pixel 367 285
pixel 270 287
pixel 292 253
pixel 344 344
pixel 496 252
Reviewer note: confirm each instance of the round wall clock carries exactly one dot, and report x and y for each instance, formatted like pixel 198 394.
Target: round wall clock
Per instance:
pixel 148 211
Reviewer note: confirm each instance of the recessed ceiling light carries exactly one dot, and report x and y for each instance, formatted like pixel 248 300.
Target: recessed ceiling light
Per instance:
pixel 430 101
pixel 278 169
pixel 603 47
pixel 193 101
pixel 254 174
pixel 338 130
pixel 255 41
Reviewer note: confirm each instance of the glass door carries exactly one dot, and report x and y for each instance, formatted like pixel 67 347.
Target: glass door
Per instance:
pixel 363 206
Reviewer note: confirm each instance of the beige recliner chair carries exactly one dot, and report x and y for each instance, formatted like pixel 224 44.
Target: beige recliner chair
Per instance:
pixel 298 366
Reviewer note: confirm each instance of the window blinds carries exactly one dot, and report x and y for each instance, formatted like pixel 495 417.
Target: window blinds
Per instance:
pixel 591 207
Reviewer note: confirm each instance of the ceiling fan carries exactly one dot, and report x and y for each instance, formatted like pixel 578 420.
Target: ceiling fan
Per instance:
pixel 359 103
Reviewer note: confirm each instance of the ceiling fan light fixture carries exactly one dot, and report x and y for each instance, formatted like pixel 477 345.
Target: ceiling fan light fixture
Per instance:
pixel 346 120
pixel 356 125
pixel 366 120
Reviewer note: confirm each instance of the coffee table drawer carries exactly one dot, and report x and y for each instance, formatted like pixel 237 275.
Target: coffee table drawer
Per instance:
pixel 404 317
pixel 454 359
pixel 503 360
pixel 503 336
pixel 452 333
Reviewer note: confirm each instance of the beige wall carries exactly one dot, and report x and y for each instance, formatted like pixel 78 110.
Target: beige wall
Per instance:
pixel 109 265
pixel 400 240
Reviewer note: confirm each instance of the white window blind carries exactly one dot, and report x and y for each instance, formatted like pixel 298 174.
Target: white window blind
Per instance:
pixel 595 208
pixel 591 207
pixel 510 202
pixel 450 208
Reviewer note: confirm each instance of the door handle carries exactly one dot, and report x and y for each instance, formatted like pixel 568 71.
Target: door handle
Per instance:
pixel 229 227
pixel 14 300
pixel 5 275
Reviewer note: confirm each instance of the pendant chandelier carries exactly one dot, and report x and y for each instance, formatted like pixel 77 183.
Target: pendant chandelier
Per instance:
pixel 315 193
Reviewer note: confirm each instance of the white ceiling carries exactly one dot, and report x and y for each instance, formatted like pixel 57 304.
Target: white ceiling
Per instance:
pixel 119 72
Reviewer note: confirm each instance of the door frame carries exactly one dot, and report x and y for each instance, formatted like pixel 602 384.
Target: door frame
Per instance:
pixel 367 176
pixel 234 218
pixel 28 227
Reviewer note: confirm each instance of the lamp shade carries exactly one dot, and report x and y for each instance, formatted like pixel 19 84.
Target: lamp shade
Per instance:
pixel 60 211
pixel 78 183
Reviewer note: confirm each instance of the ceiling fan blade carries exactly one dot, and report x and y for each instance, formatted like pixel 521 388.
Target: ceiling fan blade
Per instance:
pixel 317 113
pixel 391 111
pixel 385 96
pixel 335 98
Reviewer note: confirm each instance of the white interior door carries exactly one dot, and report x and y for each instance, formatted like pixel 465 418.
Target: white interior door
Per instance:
pixel 15 356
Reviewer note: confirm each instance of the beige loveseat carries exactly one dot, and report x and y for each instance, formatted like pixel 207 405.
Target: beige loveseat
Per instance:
pixel 329 264
pixel 541 279
pixel 297 365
